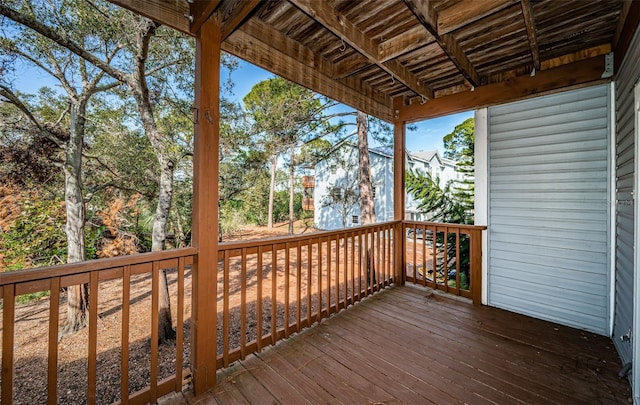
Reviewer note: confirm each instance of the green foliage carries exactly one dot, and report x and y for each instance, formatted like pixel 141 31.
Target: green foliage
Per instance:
pixel 36 238
pixel 459 146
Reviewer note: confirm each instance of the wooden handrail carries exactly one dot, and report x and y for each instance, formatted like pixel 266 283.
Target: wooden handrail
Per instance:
pixel 42 273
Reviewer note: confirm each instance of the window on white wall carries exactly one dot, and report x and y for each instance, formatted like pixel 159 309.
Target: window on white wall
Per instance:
pixel 374 192
pixel 354 219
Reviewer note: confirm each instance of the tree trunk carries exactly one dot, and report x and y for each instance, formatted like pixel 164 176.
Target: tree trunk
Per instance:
pixel 165 196
pixel 367 205
pixel 159 236
pixel 77 295
pixel 272 186
pixel 292 216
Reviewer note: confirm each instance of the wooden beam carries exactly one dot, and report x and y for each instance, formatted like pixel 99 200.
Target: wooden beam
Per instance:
pixel 268 48
pixel 529 22
pixel 585 72
pixel 424 12
pixel 340 26
pixel 468 11
pixel 233 13
pixel 403 43
pixel 172 13
pixel 200 11
pixel 205 206
pixel 628 30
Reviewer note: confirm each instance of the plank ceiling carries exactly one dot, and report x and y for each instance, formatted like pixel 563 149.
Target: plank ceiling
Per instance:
pixel 367 53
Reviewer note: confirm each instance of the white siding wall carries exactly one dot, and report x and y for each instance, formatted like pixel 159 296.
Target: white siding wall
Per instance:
pixel 625 154
pixel 548 208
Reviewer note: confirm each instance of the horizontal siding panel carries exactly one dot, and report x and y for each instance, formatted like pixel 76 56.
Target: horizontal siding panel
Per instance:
pixel 544 232
pixel 587 269
pixel 552 242
pixel 549 207
pixel 536 251
pixel 587 282
pixel 588 134
pixel 586 122
pixel 563 292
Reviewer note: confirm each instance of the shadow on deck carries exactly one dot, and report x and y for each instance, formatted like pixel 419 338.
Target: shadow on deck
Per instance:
pixel 410 345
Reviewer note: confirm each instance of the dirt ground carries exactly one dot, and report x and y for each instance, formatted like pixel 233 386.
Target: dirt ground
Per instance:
pixel 344 277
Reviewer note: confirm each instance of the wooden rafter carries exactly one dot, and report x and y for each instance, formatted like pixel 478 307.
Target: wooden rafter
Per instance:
pixel 344 29
pixel 403 43
pixel 234 13
pixel 349 65
pixel 468 11
pixel 529 22
pixel 172 13
pixel 427 16
pixel 266 47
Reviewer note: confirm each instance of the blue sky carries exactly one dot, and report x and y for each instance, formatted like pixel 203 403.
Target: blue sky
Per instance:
pixel 427 136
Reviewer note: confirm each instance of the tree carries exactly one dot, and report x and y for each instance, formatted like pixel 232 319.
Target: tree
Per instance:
pixel 287 116
pixel 148 78
pixel 459 146
pixel 66 127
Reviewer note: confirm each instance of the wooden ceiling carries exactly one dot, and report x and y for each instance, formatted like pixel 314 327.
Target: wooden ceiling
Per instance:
pixel 386 57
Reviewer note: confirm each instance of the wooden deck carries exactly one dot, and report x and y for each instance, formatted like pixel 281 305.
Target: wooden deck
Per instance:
pixel 408 345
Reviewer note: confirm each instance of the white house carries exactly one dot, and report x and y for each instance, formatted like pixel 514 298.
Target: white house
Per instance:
pixel 336 184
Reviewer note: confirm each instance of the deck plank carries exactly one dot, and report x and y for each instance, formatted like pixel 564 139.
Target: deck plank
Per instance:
pixel 408 345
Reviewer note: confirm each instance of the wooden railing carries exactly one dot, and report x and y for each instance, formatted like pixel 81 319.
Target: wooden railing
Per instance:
pixel 137 279
pixel 271 288
pixel 266 290
pixel 445 257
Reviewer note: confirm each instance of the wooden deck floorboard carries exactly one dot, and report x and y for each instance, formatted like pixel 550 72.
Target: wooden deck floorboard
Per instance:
pixel 408 345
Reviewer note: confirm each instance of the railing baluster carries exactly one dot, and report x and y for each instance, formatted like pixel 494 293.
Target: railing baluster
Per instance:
pixel 243 304
pixel 155 274
pixel 458 261
pixel 93 338
pixel 353 268
pixel 298 285
pixel 378 260
pixel 345 269
pixel 309 279
pixel 338 273
pixel 434 273
pixel 319 279
pixel 124 340
pixel 287 269
pixel 179 327
pixel 274 293
pixel 225 306
pixel 329 249
pixel 259 299
pixel 424 255
pixel 54 314
pixel 8 312
pixel 445 264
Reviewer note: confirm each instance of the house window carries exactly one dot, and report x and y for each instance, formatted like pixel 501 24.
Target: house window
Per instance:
pixel 354 219
pixel 374 192
pixel 333 169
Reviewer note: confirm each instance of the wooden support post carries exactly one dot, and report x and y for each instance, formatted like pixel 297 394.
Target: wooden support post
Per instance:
pixel 399 153
pixel 475 253
pixel 205 205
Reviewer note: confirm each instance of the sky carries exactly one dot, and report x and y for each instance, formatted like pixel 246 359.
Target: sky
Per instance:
pixel 427 136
